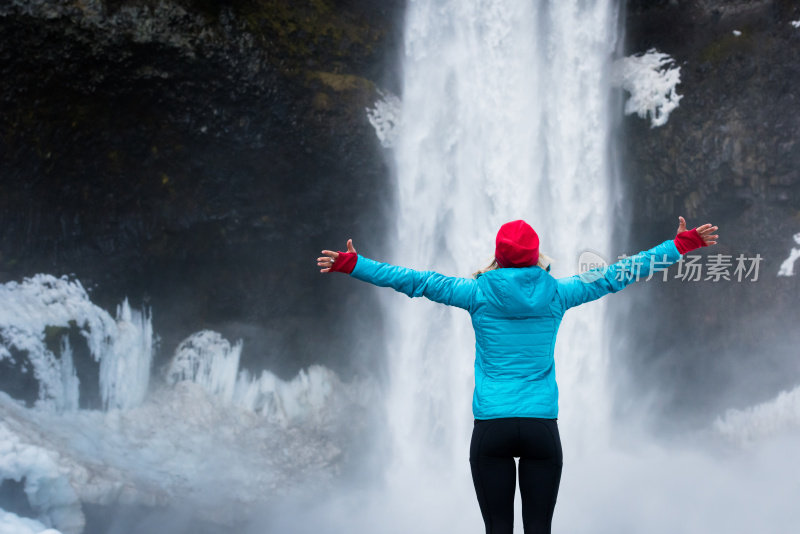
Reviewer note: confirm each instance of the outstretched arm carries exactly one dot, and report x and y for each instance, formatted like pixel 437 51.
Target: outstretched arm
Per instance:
pixel 595 283
pixel 448 290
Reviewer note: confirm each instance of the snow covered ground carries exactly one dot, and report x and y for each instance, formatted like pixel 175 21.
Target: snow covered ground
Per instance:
pixel 13 524
pixel 181 447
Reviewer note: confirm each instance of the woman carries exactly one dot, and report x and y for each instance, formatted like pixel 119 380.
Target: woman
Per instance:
pixel 516 308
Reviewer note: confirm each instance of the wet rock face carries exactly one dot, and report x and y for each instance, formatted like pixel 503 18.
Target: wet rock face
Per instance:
pixel 195 156
pixel 728 155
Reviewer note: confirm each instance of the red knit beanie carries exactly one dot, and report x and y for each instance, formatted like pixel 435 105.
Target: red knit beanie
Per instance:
pixel 517 245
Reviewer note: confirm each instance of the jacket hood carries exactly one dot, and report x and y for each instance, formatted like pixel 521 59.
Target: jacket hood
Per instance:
pixel 518 290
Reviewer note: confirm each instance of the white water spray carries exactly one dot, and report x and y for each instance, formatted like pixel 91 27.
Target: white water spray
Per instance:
pixel 506 115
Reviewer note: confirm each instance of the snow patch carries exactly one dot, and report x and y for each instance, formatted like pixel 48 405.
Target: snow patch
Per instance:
pixel 385 117
pixel 737 33
pixel 762 420
pixel 650 78
pixel 787 266
pixel 796 23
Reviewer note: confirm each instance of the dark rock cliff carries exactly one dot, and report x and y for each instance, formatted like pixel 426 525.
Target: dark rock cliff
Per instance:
pixel 195 156
pixel 728 155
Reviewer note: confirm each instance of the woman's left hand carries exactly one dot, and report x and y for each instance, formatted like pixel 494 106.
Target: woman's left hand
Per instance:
pixel 705 231
pixel 329 257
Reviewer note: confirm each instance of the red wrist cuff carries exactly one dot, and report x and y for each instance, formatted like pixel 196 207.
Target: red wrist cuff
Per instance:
pixel 345 262
pixel 688 241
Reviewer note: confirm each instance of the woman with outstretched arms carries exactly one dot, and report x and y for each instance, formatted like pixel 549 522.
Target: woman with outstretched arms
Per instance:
pixel 516 307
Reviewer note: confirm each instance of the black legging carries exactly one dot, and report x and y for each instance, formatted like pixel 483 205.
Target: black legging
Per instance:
pixel 495 444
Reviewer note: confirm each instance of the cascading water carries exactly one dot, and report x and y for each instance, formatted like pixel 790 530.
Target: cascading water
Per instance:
pixel 506 115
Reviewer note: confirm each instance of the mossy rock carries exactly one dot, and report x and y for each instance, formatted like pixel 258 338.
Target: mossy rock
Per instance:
pixel 726 46
pixel 341 82
pixel 301 29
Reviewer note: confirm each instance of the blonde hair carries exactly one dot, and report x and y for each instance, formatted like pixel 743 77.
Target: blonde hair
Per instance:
pixel 544 262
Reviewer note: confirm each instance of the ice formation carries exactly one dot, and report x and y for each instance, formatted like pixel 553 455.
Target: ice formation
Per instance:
pixel 650 78
pixel 210 437
pixel 125 368
pixel 210 361
pixel 122 347
pixel 787 266
pixel 385 118
pixel 762 420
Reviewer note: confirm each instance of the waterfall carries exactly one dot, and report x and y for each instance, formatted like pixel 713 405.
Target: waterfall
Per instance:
pixel 506 115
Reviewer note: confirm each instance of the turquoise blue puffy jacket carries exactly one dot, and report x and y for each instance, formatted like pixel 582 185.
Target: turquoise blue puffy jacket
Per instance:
pixel 516 313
